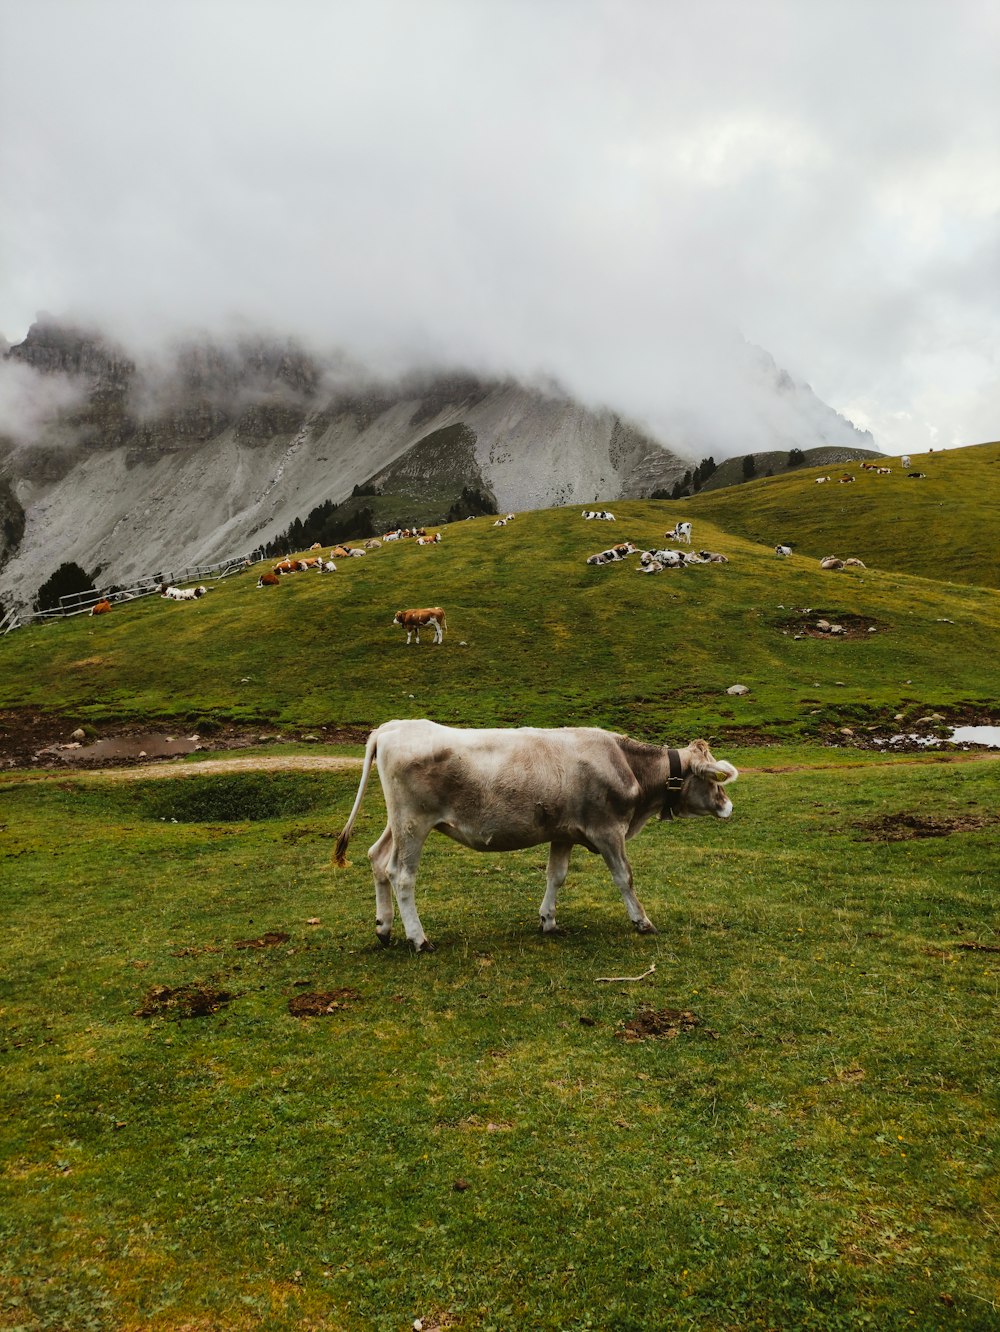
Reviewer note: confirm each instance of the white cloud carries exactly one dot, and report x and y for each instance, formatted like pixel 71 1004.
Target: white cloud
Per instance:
pixel 614 194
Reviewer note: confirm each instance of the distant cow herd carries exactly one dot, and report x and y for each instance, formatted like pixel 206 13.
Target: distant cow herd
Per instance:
pixel 651 561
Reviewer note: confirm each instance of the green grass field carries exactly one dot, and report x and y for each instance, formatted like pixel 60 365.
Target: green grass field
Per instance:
pixel 537 636
pixel 945 527
pixel 466 1137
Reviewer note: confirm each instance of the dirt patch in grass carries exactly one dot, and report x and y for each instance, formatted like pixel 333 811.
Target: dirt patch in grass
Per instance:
pixel 812 622
pixel 38 740
pixel 907 826
pixel 323 1002
pixel 662 1024
pixel 183 1001
pixel 269 940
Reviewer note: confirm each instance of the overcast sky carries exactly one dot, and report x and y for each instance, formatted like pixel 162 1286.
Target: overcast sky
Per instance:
pixel 615 194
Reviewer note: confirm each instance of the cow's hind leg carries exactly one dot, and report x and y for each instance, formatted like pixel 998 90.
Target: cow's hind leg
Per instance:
pixel 621 871
pixel 555 876
pixel 403 873
pixel 380 855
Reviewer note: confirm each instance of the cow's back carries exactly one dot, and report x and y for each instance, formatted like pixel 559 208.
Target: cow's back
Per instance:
pixel 501 788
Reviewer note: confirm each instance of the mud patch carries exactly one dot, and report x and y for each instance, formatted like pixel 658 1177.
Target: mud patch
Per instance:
pixel 122 749
pixel 908 827
pixel 269 940
pixel 183 1001
pixel 323 1003
pixel 812 622
pixel 33 739
pixel 662 1024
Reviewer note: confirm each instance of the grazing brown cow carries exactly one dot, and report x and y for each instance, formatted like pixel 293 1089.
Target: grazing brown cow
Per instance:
pixel 504 790
pixel 415 620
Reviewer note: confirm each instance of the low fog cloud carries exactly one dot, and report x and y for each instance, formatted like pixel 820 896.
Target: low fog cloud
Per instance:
pixel 629 198
pixel 29 400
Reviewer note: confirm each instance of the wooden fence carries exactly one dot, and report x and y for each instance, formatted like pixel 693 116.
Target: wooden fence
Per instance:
pixel 80 603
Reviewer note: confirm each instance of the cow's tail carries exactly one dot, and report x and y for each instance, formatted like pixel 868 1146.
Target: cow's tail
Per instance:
pixel 339 854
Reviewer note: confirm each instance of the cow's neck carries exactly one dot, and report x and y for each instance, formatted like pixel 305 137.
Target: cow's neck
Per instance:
pixel 674 784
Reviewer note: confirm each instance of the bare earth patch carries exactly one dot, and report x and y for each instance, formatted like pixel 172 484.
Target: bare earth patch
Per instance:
pixel 662 1024
pixel 183 1001
pixel 907 826
pixel 269 940
pixel 323 1003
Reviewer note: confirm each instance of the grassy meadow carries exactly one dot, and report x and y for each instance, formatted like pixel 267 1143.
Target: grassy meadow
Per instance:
pixel 790 1122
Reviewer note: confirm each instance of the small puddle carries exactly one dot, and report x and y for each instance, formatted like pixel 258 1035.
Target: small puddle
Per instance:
pixel 960 735
pixel 154 745
pixel 977 735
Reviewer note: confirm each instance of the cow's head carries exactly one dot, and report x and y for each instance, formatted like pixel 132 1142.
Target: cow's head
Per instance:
pixel 398 617
pixel 703 791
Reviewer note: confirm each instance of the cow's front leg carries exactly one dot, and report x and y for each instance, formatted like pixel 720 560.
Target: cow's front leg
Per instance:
pixel 621 871
pixel 555 876
pixel 403 872
pixel 380 855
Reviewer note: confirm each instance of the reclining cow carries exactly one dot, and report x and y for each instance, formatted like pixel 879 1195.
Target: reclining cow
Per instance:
pixel 666 559
pixel 601 515
pixel 182 594
pixel 504 790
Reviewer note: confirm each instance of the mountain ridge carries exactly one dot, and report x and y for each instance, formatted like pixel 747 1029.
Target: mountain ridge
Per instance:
pixel 144 463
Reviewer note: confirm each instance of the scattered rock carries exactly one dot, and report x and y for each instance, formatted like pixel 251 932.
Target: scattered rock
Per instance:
pixel 733 689
pixel 79 734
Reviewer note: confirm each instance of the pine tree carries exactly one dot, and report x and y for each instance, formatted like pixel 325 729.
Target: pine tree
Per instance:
pixel 66 580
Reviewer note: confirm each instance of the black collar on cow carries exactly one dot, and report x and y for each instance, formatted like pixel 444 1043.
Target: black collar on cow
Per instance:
pixel 675 783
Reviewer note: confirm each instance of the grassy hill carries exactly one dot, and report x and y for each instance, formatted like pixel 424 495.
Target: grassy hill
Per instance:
pixel 792 1081
pixel 946 527
pixel 730 471
pixel 537 636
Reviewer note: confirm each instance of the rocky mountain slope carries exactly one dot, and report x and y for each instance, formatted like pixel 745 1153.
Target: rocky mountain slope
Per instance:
pixel 128 466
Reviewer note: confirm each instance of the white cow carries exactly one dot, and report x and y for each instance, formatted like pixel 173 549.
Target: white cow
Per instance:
pixel 602 515
pixel 783 550
pixel 182 594
pixel 666 559
pixel 680 532
pixel 904 461
pixel 504 790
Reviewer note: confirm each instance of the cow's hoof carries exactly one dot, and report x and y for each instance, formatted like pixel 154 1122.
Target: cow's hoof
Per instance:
pixel 425 947
pixel 645 927
pixel 384 939
pixel 552 931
